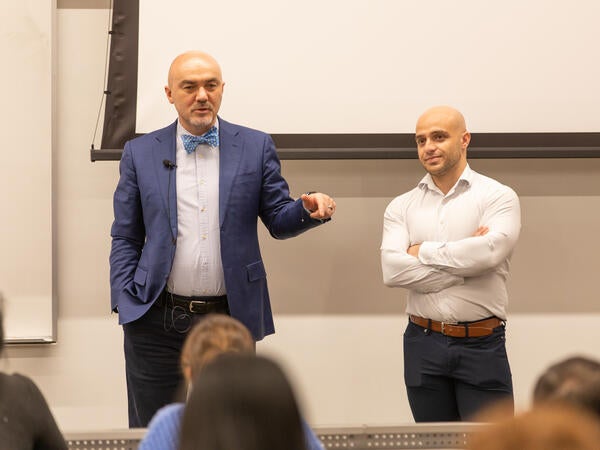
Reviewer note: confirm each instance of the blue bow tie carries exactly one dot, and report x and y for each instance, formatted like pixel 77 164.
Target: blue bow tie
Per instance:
pixel 190 142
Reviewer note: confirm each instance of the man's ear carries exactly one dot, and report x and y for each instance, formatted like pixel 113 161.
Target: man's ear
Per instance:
pixel 465 140
pixel 168 92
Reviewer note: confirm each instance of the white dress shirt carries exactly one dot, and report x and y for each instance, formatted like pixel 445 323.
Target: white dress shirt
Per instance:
pixel 197 268
pixel 457 277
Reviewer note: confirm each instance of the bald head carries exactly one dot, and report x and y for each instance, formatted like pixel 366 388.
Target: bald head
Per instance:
pixel 443 115
pixel 189 60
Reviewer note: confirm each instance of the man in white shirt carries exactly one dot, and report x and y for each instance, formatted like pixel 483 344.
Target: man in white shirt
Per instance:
pixel 449 241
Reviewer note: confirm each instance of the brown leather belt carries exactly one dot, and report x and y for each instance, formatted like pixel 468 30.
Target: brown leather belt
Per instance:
pixel 478 328
pixel 195 305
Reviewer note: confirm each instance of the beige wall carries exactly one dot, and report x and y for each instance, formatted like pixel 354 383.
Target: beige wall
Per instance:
pixel 339 331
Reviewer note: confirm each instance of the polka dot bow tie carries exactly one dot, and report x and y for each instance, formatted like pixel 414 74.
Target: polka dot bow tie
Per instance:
pixel 211 137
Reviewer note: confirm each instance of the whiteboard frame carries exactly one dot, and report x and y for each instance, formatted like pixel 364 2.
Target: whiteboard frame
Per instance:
pixel 50 338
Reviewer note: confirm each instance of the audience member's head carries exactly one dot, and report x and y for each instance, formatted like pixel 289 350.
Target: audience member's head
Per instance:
pixel 27 419
pixel 575 380
pixel 214 335
pixel 242 402
pixel 547 427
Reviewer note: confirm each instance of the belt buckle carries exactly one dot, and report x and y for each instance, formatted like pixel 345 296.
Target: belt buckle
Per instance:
pixel 443 326
pixel 197 303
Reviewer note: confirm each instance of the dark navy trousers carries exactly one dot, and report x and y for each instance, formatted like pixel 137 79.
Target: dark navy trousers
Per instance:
pixel 152 347
pixel 452 379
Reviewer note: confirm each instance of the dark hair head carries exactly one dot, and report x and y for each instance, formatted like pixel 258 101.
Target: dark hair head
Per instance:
pixel 242 402
pixel 575 380
pixel 212 336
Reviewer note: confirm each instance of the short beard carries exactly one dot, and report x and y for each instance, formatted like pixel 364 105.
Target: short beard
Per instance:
pixel 203 123
pixel 448 165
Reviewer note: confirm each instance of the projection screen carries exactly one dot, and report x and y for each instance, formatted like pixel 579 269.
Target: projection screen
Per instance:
pixel 340 74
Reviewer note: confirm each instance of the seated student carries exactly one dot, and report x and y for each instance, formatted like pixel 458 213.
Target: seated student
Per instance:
pixel 545 427
pixel 575 380
pixel 242 403
pixel 25 420
pixel 214 335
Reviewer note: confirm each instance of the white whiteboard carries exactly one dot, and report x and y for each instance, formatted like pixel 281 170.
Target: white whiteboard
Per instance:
pixel 26 42
pixel 355 66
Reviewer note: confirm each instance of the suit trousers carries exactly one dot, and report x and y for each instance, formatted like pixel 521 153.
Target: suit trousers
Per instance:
pixel 152 347
pixel 452 379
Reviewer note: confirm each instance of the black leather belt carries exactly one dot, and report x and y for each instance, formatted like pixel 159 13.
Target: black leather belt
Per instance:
pixel 195 305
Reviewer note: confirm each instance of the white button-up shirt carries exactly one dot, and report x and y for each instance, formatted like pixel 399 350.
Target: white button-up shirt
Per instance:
pixel 456 277
pixel 197 268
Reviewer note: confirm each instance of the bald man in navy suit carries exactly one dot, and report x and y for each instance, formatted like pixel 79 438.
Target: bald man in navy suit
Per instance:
pixel 184 238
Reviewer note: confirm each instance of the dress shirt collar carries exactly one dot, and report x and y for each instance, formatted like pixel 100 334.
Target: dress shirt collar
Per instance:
pixel 465 178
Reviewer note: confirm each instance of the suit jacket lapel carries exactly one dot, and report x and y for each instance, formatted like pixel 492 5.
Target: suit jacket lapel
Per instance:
pixel 230 148
pixel 164 149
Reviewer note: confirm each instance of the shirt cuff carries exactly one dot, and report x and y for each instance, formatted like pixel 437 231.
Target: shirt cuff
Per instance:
pixel 428 250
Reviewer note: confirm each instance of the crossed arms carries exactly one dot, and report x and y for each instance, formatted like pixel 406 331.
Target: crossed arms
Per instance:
pixel 431 266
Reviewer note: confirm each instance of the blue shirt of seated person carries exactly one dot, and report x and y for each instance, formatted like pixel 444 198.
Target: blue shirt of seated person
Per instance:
pixel 164 428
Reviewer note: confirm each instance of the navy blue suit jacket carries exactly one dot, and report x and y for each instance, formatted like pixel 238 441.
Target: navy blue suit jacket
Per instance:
pixel 145 226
